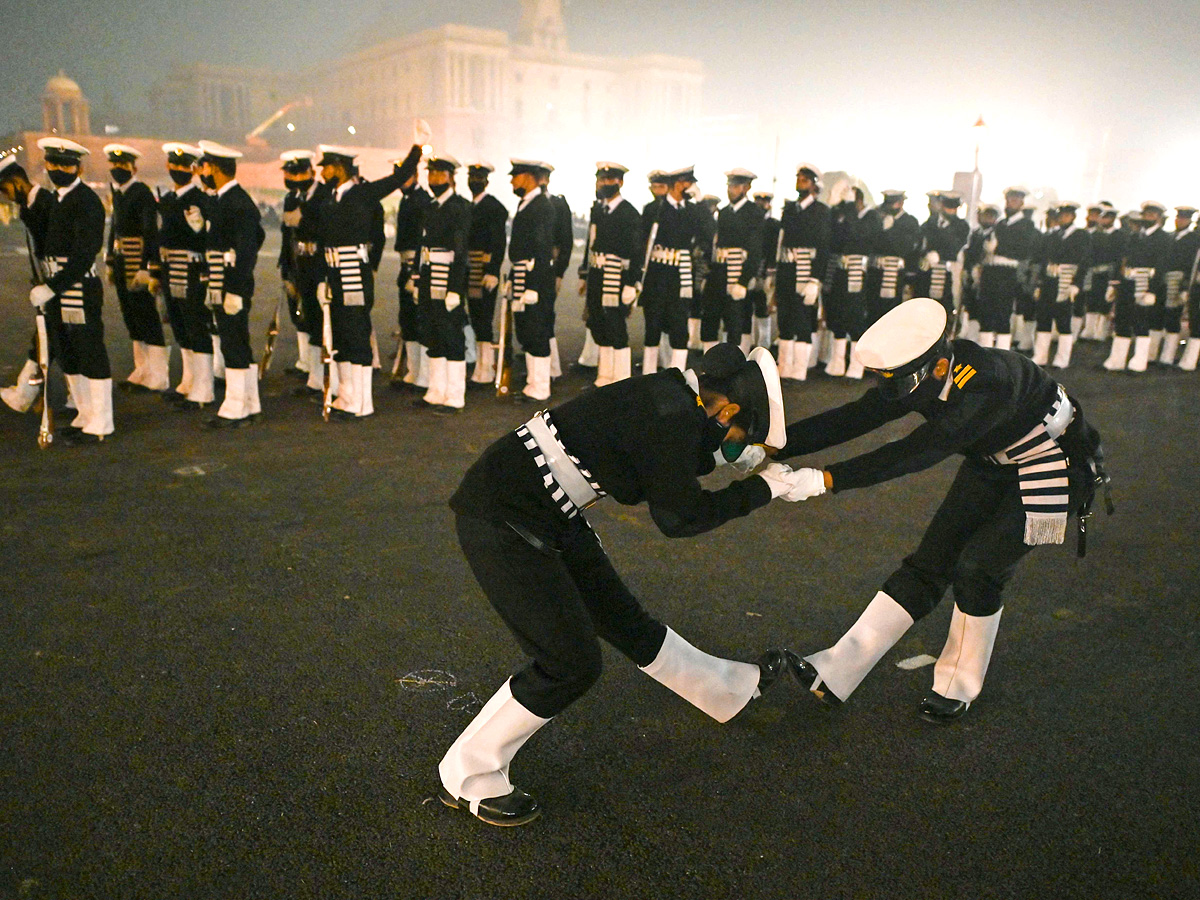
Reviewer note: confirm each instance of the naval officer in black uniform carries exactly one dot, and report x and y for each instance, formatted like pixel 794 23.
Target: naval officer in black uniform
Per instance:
pixel 521 526
pixel 132 252
pixel 72 295
pixel 442 286
pixel 531 274
pixel 1031 461
pixel 737 255
pixel 347 225
pixel 610 271
pixel 485 249
pixel 234 237
pixel 799 258
pixel 183 216
pixel 1065 254
pixel 34 203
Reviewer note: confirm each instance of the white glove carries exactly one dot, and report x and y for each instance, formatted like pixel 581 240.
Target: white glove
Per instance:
pixel 1110 294
pixel 291 218
pixel 1146 299
pixel 807 483
pixel 769 288
pixel 529 298
pixel 194 218
pixel 751 458
pixel 323 293
pixel 141 280
pixel 410 287
pixel 737 292
pixel 40 295
pixel 779 478
pixel 888 222
pixel 1072 292
pixel 628 295
pixel 232 305
pixel 490 282
pixel 1037 293
pixel 977 274
pixel 932 258
pixel 453 300
pixel 991 244
pixel 811 291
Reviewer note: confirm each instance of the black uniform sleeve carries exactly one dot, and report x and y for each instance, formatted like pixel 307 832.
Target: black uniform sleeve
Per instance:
pixel 754 241
pixel 245 237
pixel 841 424
pixel 564 236
pixel 632 247
pixel 147 219
pixel 678 504
pixel 460 231
pixel 378 238
pixel 497 240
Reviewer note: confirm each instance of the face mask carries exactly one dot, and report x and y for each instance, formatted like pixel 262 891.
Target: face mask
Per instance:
pixel 519 191
pixel 120 176
pixel 209 182
pixel 179 176
pixel 439 189
pixel 301 186
pixel 60 178
pixel 607 191
pixel 477 185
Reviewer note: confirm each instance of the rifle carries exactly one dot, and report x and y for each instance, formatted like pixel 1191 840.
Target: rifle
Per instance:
pixel 272 331
pixel 503 367
pixel 646 261
pixel 326 354
pixel 46 428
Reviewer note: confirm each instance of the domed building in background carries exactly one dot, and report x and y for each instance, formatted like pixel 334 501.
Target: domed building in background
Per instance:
pixel 64 108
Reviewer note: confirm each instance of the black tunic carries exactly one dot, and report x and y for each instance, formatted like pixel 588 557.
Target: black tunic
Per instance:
pixel 235 224
pixel 564 234
pixel 642 438
pixel 135 215
pixel 742 227
pixel 489 219
pixel 807 226
pixel 35 215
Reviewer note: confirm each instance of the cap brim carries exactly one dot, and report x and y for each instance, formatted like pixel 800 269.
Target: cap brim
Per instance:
pixel 777 431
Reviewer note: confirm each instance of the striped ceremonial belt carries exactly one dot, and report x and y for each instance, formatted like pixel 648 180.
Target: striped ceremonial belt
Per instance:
pixel 476 260
pixel 855 267
pixel 1175 296
pixel 937 282
pixel 130 249
pixel 306 248
pixel 439 260
pixel 1065 273
pixel 217 261
pixel 70 300
pixel 570 485
pixel 612 269
pixel 734 260
pixel 347 262
pixel 891 266
pixel 520 272
pixel 1003 262
pixel 802 258
pixel 1140 276
pixel 1042 473
pixel 668 256
pixel 179 263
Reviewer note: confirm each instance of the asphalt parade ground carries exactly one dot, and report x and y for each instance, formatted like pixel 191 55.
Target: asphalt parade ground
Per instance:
pixel 230 662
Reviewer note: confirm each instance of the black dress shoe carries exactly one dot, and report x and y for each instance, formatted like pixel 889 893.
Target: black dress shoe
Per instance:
pixel 517 808
pixel 219 422
pixel 942 710
pixel 807 674
pixel 771 665
pixel 173 396
pixel 341 415
pixel 297 373
pixel 81 439
pixel 422 403
pixel 186 405
pixel 444 410
pixel 305 391
pixel 66 431
pixel 133 388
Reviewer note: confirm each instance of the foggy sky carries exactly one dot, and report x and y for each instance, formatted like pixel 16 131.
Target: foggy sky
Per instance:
pixel 852 78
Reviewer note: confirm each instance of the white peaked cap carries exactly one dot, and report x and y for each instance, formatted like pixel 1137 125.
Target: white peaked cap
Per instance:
pixel 481 164
pixel 902 334
pixel 212 148
pixel 62 144
pixel 175 147
pixel 809 167
pixel 295 155
pixel 741 173
pixel 777 431
pixel 122 150
pixel 334 150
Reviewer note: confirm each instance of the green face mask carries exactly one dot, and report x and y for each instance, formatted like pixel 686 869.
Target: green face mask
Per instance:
pixel 731 450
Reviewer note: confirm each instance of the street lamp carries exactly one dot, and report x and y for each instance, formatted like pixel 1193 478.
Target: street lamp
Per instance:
pixel 979 129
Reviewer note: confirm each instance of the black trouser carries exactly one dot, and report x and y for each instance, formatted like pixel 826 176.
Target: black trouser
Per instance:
pixel 410 319
pixel 796 321
pixel 140 312
pixel 875 304
pixel 482 310
pixel 663 307
pixel 607 323
pixel 845 312
pixel 191 320
pixel 535 324
pixel 718 308
pixel 1050 310
pixel 443 327
pixel 234 332
pixel 1131 319
pixel 1194 311
pixel 974 542
pixel 998 290
pixel 557 602
pixel 80 348
pixel 1096 300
